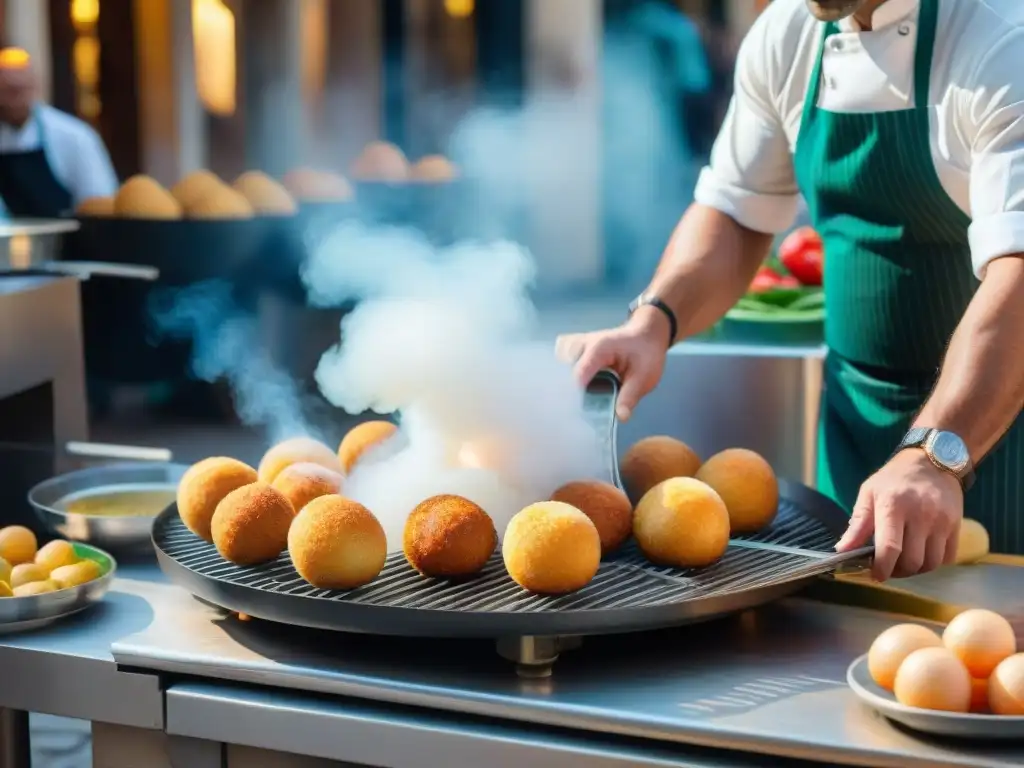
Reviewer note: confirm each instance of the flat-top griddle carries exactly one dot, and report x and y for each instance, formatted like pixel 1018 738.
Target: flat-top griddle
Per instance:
pixel 628 594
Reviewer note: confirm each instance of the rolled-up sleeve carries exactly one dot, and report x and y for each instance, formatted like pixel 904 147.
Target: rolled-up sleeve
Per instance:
pixel 750 177
pixel 93 174
pixel 992 118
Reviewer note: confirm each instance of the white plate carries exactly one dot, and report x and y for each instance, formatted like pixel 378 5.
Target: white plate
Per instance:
pixel 935 723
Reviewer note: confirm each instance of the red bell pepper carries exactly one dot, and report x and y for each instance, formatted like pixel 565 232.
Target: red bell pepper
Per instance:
pixel 802 253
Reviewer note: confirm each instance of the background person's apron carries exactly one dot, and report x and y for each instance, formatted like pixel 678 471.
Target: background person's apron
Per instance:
pixel 28 186
pixel 898 278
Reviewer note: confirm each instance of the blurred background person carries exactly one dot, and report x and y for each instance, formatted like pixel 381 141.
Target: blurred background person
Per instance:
pixel 50 161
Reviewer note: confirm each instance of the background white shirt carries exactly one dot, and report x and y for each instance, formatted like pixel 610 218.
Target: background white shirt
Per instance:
pixel 977 110
pixel 74 150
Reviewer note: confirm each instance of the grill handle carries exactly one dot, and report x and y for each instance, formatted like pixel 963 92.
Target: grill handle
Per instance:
pixel 121 452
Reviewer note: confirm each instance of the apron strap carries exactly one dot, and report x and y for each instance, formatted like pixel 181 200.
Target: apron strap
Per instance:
pixel 814 86
pixel 928 24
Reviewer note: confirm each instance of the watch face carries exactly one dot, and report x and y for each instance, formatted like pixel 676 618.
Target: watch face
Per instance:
pixel 950 450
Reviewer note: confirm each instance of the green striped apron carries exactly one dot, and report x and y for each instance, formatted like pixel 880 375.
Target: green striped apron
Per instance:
pixel 898 278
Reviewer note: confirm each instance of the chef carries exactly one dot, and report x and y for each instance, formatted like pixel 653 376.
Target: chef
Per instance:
pixel 901 123
pixel 50 161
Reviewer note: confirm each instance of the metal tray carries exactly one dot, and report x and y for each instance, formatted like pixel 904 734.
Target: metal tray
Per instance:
pixel 944 724
pixel 21 614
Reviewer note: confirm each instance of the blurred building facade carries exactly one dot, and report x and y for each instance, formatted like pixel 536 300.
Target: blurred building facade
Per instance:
pixel 230 85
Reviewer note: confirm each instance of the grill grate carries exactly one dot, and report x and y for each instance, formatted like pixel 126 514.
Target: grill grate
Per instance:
pixel 628 593
pixel 795 547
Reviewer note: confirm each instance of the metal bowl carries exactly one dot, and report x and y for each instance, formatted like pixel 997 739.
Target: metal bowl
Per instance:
pixel 21 614
pixel 120 534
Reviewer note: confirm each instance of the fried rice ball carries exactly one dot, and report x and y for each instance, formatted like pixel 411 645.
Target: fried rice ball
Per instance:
pixel 682 523
pixel 218 203
pixel 301 483
pixel 204 485
pixel 313 186
pixel 435 169
pixel 265 195
pixel 607 507
pixel 296 450
pixel 195 186
pixel 96 207
pixel 142 197
pixel 448 536
pixel 653 460
pixel 336 543
pixel 361 439
pixel 551 548
pixel 747 485
pixel 250 525
pixel 381 161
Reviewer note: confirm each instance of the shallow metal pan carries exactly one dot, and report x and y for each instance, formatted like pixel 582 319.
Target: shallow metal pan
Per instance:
pixel 120 534
pixel 22 614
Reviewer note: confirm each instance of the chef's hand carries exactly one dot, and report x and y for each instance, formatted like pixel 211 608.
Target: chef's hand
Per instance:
pixel 635 350
pixel 914 510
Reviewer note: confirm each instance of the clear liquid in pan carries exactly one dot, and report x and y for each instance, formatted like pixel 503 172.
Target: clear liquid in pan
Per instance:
pixel 135 500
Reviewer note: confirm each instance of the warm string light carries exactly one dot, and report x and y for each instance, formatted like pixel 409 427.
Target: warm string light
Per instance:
pixel 213 33
pixel 459 9
pixel 85 58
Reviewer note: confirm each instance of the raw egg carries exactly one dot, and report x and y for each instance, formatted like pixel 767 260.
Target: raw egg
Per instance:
pixel 893 646
pixel 980 639
pixel 933 678
pixel 1006 687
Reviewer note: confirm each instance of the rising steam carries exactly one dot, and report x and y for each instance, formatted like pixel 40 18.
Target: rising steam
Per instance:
pixel 226 345
pixel 444 336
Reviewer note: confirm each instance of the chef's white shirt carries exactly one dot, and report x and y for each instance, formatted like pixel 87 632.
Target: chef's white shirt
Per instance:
pixel 977 110
pixel 74 150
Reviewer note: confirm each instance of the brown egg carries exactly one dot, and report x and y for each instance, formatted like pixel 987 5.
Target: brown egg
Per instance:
pixel 5 570
pixel 336 543
pixel 381 161
pixel 933 678
pixel 5 589
pixel 605 505
pixel 653 460
pixel 204 485
pixel 448 536
pixel 264 194
pixel 34 588
pixel 96 207
pixel 312 186
pixel 973 543
pixel 1006 687
pixel 194 186
pixel 893 646
pixel 551 548
pixel 979 696
pixel 435 169
pixel 980 639
pixel 75 575
pixel 250 525
pixel 361 439
pixel 301 483
pixel 143 198
pixel 56 554
pixel 683 523
pixel 747 485
pixel 220 202
pixel 17 544
pixel 296 450
pixel 26 573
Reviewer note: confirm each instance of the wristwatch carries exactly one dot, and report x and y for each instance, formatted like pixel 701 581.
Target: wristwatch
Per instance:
pixel 650 300
pixel 945 450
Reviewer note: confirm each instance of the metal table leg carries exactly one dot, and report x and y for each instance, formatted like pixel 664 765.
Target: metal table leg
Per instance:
pixel 15 745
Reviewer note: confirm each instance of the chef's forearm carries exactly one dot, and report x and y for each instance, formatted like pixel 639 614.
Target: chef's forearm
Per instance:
pixel 980 390
pixel 707 267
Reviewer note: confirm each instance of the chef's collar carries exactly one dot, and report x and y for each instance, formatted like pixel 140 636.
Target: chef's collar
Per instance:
pixel 887 14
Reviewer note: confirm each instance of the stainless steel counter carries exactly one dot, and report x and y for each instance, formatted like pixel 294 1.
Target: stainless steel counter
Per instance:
pixel 765 683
